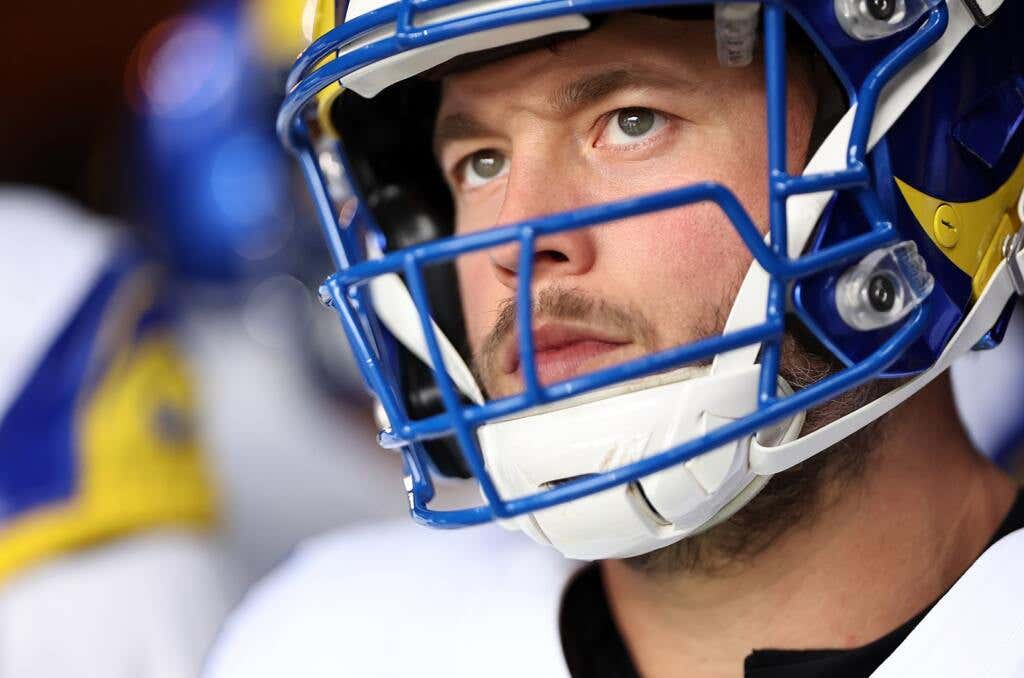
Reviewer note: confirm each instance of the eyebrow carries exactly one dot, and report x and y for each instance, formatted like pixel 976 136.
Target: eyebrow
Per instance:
pixel 458 126
pixel 592 88
pixel 568 98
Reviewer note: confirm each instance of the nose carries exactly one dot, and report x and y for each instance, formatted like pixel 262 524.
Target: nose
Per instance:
pixel 566 254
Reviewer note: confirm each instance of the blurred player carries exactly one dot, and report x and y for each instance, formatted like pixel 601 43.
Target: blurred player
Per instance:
pixel 215 195
pixel 110 561
pixel 109 565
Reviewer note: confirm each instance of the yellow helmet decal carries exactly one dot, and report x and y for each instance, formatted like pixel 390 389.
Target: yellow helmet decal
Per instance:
pixel 319 17
pixel 283 28
pixel 970 234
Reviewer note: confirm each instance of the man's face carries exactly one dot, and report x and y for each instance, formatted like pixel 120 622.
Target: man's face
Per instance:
pixel 637 106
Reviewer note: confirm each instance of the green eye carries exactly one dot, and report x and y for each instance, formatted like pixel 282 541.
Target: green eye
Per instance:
pixel 631 127
pixel 635 122
pixel 483 166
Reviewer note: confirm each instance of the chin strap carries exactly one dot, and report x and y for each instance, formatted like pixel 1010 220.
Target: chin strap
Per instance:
pixel 604 433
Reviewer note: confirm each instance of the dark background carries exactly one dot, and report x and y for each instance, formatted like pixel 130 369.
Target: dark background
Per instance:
pixel 64 71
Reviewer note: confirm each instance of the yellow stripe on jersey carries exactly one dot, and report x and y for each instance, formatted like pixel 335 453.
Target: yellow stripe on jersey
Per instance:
pixel 138 461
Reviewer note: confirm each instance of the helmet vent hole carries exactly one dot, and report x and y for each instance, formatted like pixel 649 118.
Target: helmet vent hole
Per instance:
pixel 636 492
pixel 562 481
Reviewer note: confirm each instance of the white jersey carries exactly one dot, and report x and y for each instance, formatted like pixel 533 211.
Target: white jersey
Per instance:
pixel 146 606
pixel 400 600
pixel 397 599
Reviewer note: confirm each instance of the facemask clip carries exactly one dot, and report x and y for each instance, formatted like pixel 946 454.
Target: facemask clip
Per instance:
pixel 736 32
pixel 884 287
pixel 873 19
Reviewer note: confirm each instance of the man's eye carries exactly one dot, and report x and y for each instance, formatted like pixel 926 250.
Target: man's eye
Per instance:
pixel 482 166
pixel 630 125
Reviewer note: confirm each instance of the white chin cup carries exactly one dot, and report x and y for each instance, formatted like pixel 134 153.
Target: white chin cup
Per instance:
pixel 538 451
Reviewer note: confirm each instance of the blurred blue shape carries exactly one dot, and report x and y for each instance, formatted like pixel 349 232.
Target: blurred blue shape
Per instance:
pixel 211 182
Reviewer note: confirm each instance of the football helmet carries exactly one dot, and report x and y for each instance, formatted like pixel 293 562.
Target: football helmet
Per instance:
pixel 897 249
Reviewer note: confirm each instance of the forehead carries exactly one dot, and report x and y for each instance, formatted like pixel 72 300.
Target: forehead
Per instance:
pixel 684 50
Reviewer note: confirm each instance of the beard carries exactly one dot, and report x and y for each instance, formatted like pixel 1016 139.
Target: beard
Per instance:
pixel 791 499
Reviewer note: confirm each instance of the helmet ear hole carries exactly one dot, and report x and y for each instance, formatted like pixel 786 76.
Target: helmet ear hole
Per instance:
pixel 389 142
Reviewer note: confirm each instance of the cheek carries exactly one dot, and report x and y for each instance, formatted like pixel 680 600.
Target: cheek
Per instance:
pixel 481 295
pixel 738 146
pixel 679 268
pixel 742 167
pixel 480 208
pixel 731 152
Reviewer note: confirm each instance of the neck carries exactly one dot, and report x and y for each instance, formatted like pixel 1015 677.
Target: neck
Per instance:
pixel 876 554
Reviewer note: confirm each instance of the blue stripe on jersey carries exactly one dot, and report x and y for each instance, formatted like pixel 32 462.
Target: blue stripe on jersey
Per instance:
pixel 38 456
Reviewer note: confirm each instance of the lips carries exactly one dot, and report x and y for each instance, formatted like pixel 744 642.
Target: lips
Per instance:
pixel 561 351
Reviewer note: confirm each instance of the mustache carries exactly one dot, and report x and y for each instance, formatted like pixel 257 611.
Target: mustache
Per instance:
pixel 566 304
